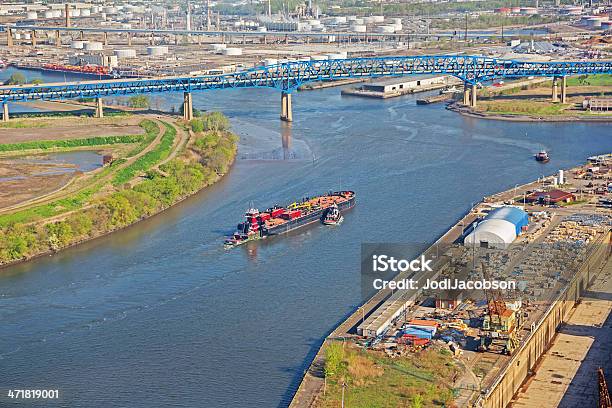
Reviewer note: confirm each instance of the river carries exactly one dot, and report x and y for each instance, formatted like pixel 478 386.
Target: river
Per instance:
pixel 161 315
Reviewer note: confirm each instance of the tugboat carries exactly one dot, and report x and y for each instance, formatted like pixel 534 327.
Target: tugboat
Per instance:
pixel 542 157
pixel 279 220
pixel 332 216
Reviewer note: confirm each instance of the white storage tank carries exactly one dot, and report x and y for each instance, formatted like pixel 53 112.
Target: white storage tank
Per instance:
pixel 125 53
pixel 93 46
pixel 156 50
pixel 378 19
pixel 218 47
pixel 232 51
pixel 385 29
pixel 358 28
pixel 32 15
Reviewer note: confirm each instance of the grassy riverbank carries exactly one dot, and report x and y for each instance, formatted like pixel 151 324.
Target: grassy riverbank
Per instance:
pixel 372 379
pixel 155 174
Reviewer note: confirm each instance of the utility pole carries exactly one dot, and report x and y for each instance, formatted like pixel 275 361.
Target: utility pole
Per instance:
pixel 466 27
pixel 207 15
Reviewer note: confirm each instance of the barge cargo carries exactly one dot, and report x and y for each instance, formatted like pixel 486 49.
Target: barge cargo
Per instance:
pixel 280 220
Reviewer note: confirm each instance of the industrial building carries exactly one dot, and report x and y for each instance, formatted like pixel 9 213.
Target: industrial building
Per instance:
pixel 498 229
pixel 550 197
pixel 397 85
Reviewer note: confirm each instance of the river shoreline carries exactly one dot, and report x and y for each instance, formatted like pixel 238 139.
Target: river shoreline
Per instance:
pixel 125 227
pixel 310 387
pixel 469 112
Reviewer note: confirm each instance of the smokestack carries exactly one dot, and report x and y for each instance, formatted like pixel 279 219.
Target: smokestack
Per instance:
pixel 207 15
pixel 188 25
pixel 269 8
pixel 67 13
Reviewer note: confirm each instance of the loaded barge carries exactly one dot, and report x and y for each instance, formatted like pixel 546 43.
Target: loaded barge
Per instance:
pixel 280 220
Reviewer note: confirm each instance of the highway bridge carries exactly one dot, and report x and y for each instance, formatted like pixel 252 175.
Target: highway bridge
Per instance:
pixel 286 77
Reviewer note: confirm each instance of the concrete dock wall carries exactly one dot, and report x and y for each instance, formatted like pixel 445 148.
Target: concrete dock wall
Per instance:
pixel 522 363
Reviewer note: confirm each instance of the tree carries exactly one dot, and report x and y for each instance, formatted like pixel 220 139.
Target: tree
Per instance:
pixel 36 81
pixel 16 79
pixel 215 121
pixel 139 101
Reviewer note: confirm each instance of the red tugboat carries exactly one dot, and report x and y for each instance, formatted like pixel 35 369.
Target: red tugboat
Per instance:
pixel 542 157
pixel 279 220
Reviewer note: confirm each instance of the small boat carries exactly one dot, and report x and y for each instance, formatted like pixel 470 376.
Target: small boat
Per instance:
pixel 332 216
pixel 542 157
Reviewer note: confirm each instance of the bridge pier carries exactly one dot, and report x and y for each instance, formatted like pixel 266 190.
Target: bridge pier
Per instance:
pixel 58 39
pixel 82 34
pixel 473 94
pixel 105 39
pixel 99 108
pixel 466 94
pixel 129 39
pixel 9 37
pixel 286 110
pixel 33 36
pixel 563 89
pixel 5 112
pixel 555 97
pixel 187 106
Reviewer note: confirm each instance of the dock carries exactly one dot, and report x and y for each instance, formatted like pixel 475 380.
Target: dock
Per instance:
pixel 378 315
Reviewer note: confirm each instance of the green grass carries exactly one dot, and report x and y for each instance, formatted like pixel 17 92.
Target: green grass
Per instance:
pixel 151 132
pixel 22 124
pixel 590 80
pixel 149 159
pixel 51 144
pixel 375 380
pixel 524 108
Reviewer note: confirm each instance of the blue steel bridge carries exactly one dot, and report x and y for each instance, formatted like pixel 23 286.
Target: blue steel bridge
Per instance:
pixel 286 77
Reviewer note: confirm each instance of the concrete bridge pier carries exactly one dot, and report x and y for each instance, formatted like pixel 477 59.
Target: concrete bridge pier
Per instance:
pixel 99 108
pixel 58 39
pixel 33 37
pixel 9 37
pixel 82 34
pixel 466 94
pixel 555 94
pixel 129 38
pixel 187 106
pixel 473 94
pixel 286 110
pixel 563 89
pixel 105 39
pixel 469 94
pixel 5 112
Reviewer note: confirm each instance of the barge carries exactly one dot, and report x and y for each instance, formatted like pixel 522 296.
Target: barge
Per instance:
pixel 280 220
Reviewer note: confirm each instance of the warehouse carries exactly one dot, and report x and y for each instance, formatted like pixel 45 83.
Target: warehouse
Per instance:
pixel 498 229
pixel 550 197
